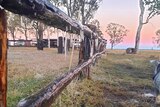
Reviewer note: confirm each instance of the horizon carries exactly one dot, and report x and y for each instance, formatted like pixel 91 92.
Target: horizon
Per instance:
pixel 126 13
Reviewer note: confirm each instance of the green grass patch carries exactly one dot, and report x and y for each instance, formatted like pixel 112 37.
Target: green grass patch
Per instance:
pixel 23 87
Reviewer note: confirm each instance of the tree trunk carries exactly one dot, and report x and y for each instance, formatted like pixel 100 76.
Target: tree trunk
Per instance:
pixel 49 43
pixel 40 39
pixel 25 32
pixel 111 46
pixel 13 40
pixel 58 38
pixel 138 34
pixel 49 46
pixel 82 12
pixel 3 59
pixel 13 36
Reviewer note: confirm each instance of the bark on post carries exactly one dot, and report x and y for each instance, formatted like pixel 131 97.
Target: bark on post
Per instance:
pixel 88 72
pixel 60 45
pixel 84 55
pixel 3 58
pixel 81 57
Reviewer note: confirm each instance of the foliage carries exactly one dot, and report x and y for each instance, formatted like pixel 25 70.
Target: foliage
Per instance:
pixel 40 28
pixel 25 25
pixel 55 2
pixel 157 38
pixel 13 21
pixel 18 23
pixel 153 8
pixel 80 9
pixel 96 23
pixel 116 33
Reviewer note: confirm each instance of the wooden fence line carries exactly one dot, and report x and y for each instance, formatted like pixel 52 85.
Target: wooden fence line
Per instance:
pixel 44 11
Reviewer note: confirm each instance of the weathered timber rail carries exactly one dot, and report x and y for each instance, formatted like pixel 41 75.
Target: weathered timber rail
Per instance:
pixel 42 10
pixel 92 46
pixel 46 96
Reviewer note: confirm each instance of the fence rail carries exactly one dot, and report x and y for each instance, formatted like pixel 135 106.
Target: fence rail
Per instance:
pixel 92 46
pixel 47 96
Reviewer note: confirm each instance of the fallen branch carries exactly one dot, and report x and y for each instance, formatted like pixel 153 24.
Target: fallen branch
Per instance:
pixel 47 96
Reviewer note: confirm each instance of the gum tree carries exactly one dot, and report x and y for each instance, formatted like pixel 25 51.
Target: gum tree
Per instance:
pixel 153 7
pixel 117 33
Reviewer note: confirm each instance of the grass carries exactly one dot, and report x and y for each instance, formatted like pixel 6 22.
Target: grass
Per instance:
pixel 20 88
pixel 127 78
pixel 30 70
pixel 117 80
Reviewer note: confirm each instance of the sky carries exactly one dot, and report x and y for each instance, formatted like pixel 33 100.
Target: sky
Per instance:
pixel 126 13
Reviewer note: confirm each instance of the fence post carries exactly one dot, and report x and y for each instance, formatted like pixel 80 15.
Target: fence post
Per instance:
pixel 60 45
pixel 84 55
pixel 3 58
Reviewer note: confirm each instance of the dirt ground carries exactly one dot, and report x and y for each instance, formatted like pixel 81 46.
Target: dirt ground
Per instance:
pixel 128 78
pixel 30 60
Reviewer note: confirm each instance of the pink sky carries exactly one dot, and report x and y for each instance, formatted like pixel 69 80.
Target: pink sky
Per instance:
pixel 126 12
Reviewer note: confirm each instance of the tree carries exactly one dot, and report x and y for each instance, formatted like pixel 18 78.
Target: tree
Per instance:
pixel 25 25
pixel 156 39
pixel 54 2
pixel 80 9
pixel 13 22
pixel 50 31
pixel 116 33
pixel 96 23
pixel 153 7
pixel 39 27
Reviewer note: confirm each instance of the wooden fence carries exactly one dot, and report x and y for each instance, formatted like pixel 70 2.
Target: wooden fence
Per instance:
pixel 92 46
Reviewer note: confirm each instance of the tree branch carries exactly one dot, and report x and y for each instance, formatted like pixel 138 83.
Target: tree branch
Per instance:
pixel 151 14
